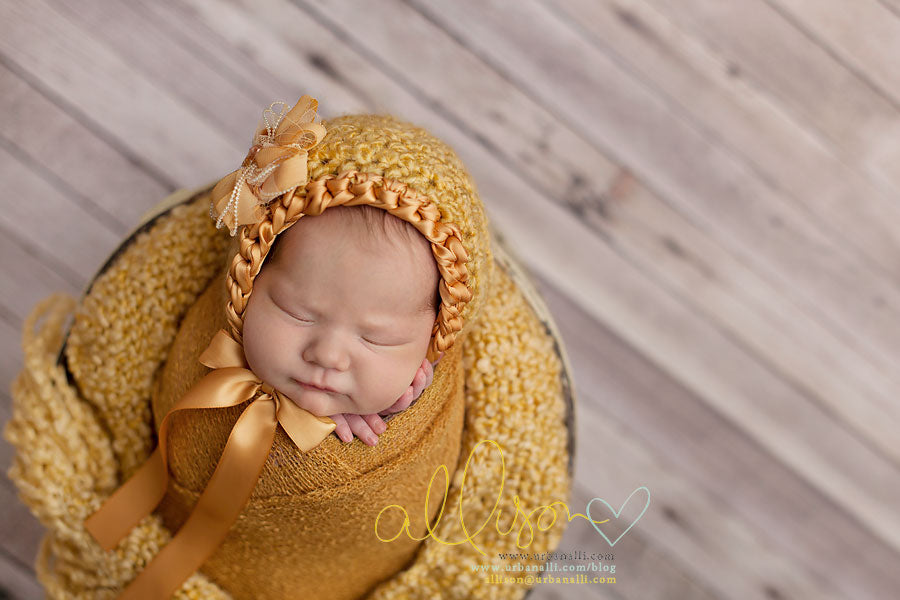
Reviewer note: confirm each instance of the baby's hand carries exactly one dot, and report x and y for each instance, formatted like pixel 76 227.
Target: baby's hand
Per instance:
pixel 369 427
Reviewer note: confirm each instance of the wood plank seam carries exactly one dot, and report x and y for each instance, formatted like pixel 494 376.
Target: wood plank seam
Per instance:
pixel 818 41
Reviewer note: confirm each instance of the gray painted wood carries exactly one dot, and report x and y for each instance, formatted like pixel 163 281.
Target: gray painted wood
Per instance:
pixel 866 47
pixel 637 410
pixel 17 581
pixel 705 191
pixel 732 110
pixel 668 155
pixel 801 74
pixel 685 168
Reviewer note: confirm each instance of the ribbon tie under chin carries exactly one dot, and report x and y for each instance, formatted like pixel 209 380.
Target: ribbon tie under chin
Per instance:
pixel 230 383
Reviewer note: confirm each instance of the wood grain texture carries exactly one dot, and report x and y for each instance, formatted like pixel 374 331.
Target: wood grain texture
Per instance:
pixel 865 39
pixel 16 581
pixel 730 110
pixel 699 176
pixel 114 97
pixel 99 175
pixel 803 76
pixel 705 191
pixel 668 155
pixel 634 405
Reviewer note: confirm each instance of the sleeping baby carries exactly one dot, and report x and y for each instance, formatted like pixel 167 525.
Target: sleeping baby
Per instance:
pixel 199 402
pixel 335 299
pixel 341 317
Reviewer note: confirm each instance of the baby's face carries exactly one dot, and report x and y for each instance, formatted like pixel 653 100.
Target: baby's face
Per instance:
pixel 339 321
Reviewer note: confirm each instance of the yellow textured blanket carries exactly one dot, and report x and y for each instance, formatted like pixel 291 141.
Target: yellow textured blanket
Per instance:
pixel 84 425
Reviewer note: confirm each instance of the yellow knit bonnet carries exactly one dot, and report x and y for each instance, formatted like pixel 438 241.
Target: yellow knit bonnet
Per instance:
pixel 381 161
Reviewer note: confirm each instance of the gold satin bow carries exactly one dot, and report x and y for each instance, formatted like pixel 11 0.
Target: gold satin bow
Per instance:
pixel 230 383
pixel 275 164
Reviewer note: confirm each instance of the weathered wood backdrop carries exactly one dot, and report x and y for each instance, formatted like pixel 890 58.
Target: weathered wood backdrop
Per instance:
pixel 706 192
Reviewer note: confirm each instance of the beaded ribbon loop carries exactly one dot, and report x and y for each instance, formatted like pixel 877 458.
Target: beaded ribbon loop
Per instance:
pixel 275 164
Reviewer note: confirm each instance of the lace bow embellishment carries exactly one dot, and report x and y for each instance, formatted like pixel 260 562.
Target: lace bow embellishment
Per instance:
pixel 275 164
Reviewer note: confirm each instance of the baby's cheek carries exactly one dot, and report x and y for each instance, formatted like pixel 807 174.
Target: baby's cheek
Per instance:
pixel 252 350
pixel 381 388
pixel 260 343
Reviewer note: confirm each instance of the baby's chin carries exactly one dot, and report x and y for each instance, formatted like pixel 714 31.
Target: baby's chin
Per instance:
pixel 321 404
pixel 326 404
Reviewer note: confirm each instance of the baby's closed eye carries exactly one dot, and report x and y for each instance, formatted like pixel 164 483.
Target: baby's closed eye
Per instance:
pixel 384 342
pixel 297 316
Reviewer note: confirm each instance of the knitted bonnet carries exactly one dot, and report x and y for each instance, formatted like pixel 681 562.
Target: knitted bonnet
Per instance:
pixel 376 160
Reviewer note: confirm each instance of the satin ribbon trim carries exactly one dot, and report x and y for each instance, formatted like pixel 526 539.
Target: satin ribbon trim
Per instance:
pixel 230 383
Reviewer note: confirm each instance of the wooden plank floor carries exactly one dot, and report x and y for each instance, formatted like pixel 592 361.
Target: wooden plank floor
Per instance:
pixel 705 192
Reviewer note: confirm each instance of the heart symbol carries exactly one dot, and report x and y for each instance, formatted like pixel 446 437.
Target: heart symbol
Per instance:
pixel 616 513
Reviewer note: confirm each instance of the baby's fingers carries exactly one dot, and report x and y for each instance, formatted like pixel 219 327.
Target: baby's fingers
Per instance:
pixel 422 379
pixel 429 372
pixel 376 423
pixel 342 429
pixel 419 381
pixel 361 429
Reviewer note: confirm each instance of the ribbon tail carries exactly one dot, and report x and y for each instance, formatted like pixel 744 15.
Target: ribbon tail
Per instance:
pixel 134 500
pixel 140 495
pixel 304 428
pixel 218 507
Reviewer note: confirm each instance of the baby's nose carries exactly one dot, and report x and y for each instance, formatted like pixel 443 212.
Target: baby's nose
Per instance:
pixel 328 351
